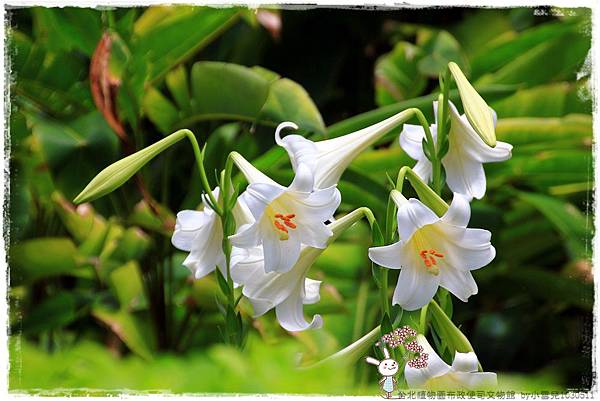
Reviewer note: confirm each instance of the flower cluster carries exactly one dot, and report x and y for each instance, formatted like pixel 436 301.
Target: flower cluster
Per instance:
pixel 265 239
pixel 399 336
pixel 405 337
pixel 419 362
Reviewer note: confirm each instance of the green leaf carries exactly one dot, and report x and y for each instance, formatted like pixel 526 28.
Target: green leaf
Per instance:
pixel 53 313
pixel 146 218
pixel 48 81
pixel 31 260
pixel 576 130
pixel 128 328
pixel 73 150
pixel 480 27
pixel 551 100
pixel 448 331
pixel 386 324
pixel 172 38
pixel 83 223
pixel 261 96
pixel 439 48
pixel 288 101
pixel 133 245
pixel 68 28
pixel 567 219
pixel 160 110
pixel 524 68
pixel 163 39
pixel 214 84
pixel 507 48
pixel 178 85
pixel 126 282
pixel 396 75
pixel 222 282
pixel 423 103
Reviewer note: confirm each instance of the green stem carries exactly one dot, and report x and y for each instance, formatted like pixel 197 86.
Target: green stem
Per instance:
pixel 383 292
pixel 425 124
pixel 199 155
pixel 361 308
pixel 423 320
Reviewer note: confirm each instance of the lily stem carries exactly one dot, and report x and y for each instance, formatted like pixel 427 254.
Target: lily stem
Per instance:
pixel 199 155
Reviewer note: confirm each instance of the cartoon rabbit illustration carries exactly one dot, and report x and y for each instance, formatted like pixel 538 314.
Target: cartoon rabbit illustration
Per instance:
pixel 387 368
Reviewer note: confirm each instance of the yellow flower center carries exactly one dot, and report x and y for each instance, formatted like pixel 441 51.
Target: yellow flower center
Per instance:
pixel 422 242
pixel 282 222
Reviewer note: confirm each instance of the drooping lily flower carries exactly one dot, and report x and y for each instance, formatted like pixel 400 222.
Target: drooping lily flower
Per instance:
pixel 285 219
pixel 438 375
pixel 466 154
pixel 201 234
pixel 329 158
pixel 434 252
pixel 286 292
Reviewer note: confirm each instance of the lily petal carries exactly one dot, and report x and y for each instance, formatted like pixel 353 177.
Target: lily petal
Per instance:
pixel 415 288
pixel 187 224
pixel 299 149
pixel 465 362
pixel 423 169
pixel 206 252
pixel 464 174
pixel 320 205
pixel 290 313
pixel 413 215
pixel 477 380
pixel 459 212
pixel 459 283
pixel 417 378
pixel 329 158
pixel 388 256
pixel 280 255
pixel 312 290
pixel 304 180
pixel 248 236
pixel 258 196
pixel 468 249
pixel 252 174
pixel 411 140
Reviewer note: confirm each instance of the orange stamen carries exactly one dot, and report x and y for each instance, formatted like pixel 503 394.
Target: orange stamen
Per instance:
pixel 280 227
pixel 281 221
pixel 429 256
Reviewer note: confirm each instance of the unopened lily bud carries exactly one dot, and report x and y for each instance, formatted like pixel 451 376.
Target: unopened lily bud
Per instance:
pixel 115 175
pixel 477 111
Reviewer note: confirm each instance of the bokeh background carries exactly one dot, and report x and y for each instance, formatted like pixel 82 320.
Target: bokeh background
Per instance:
pixel 99 300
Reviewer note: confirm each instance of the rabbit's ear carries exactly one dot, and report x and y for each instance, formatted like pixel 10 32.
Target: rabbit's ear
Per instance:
pixel 372 361
pixel 386 353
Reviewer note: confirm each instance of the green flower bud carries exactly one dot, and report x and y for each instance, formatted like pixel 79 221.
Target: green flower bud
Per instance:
pixel 478 112
pixel 115 175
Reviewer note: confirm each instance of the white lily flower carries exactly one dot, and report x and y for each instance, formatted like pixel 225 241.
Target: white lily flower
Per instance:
pixel 285 219
pixel 434 252
pixel 466 154
pixel 201 234
pixel 438 375
pixel 329 158
pixel 286 292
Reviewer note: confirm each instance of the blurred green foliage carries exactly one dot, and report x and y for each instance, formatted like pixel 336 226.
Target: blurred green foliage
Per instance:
pixel 98 296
